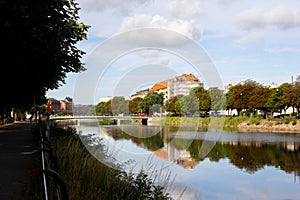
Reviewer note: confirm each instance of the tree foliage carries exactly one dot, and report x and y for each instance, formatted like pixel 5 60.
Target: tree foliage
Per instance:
pixel 134 105
pixel 39 39
pixel 218 99
pixel 189 104
pixel 152 102
pixel 119 105
pixel 203 98
pixel 239 96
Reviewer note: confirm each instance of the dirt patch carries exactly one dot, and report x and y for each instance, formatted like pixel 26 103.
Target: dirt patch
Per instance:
pixel 271 126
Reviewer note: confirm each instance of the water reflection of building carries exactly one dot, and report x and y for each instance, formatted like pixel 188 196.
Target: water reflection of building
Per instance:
pixel 180 156
pixel 292 146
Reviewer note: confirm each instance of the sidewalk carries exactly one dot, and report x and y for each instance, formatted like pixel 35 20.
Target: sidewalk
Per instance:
pixel 16 146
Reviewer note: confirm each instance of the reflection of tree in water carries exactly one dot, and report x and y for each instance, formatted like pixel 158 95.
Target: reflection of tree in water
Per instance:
pixel 151 143
pixel 248 158
pixel 251 156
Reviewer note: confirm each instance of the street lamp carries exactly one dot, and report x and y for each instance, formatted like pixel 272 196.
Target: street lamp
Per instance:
pixel 241 103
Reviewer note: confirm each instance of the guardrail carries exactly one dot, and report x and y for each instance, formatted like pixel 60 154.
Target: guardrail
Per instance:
pixel 53 185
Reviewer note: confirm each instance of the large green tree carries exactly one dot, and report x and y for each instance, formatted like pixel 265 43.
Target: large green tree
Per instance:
pixel 133 105
pixel 119 105
pixel 153 102
pixel 38 39
pixel 297 93
pixel 189 104
pixel 274 102
pixel 259 98
pixel 239 95
pixel 202 97
pixel 218 99
pixel 289 97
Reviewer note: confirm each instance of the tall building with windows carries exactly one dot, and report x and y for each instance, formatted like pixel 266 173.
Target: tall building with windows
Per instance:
pixel 179 85
pixel 182 85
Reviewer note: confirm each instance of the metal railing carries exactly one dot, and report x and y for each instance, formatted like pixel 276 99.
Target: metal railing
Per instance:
pixel 54 187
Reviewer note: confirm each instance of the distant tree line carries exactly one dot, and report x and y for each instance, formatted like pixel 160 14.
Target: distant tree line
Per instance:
pixel 252 96
pixel 246 97
pixel 38 39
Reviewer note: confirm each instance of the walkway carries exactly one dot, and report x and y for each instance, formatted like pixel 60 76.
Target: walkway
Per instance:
pixel 16 146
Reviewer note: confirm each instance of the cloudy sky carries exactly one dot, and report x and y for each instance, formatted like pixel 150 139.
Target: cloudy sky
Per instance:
pixel 258 40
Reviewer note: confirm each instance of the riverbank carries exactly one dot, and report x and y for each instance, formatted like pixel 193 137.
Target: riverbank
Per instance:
pixel 242 124
pixel 88 178
pixel 271 126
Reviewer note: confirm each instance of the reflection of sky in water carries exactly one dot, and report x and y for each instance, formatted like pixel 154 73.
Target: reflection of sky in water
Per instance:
pixel 222 181
pixel 213 180
pixel 124 150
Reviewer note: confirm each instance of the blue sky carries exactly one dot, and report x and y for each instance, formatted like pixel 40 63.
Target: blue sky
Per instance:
pixel 258 40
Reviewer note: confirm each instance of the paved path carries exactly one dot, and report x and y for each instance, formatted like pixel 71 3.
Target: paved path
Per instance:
pixel 16 146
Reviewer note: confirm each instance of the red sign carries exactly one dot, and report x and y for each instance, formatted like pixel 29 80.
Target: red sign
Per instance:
pixel 142 115
pixel 49 106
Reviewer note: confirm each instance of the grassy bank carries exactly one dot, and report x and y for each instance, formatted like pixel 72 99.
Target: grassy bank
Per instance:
pixel 186 121
pixel 242 123
pixel 88 178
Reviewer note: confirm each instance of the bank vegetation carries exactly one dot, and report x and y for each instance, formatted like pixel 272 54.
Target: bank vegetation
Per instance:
pixel 88 178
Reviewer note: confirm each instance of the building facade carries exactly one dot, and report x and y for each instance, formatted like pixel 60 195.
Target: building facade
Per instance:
pixel 182 85
pixel 179 85
pixel 62 106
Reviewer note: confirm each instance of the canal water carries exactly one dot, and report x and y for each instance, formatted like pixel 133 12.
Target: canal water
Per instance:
pixel 205 165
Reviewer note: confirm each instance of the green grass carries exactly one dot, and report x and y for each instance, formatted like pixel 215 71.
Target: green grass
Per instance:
pixel 234 121
pixel 182 121
pixel 254 120
pixel 88 178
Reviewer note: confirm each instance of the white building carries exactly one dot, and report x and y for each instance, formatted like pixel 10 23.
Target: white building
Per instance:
pixel 182 85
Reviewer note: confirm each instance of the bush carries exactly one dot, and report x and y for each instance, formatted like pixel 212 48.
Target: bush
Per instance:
pixel 254 120
pixel 234 121
pixel 287 120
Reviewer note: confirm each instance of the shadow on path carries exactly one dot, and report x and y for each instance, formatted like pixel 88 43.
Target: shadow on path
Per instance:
pixel 16 147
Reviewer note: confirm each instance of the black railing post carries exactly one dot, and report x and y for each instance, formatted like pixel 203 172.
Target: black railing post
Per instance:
pixel 50 168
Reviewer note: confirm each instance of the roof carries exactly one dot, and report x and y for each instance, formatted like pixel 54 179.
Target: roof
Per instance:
pixel 164 84
pixel 159 86
pixel 187 77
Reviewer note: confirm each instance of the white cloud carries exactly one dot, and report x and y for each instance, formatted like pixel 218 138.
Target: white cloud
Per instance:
pixel 282 50
pixel 251 19
pixel 252 37
pixel 149 53
pixel 184 9
pixel 121 5
pixel 164 60
pixel 185 27
pixel 226 2
pixel 281 17
pixel 284 17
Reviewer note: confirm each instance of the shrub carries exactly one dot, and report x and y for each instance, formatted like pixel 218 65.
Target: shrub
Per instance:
pixel 234 121
pixel 287 120
pixel 254 120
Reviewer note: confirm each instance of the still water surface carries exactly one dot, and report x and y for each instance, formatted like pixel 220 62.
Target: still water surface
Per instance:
pixel 205 165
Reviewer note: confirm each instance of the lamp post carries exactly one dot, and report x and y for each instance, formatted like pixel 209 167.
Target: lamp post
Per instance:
pixel 241 103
